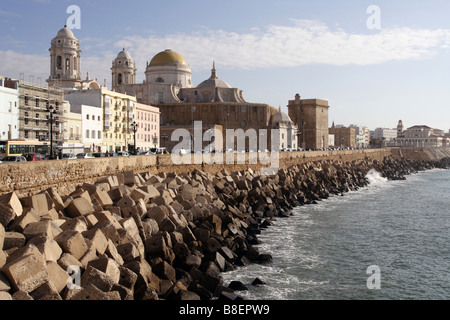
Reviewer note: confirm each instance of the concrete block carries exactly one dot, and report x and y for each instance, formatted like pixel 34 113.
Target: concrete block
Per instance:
pixel 111 251
pixel 38 229
pixel 143 270
pixel 90 255
pixel 98 240
pixel 12 200
pixel 93 276
pixel 76 224
pixel 139 194
pixel 109 266
pixel 4 283
pixel 21 296
pixel 72 242
pixel 2 236
pixel 57 276
pixel 38 202
pixel 6 215
pixel 56 199
pixel 5 296
pixel 151 191
pixel 26 273
pixel 128 278
pixel 46 291
pixel 21 222
pixel 129 252
pixel 125 201
pixel 48 247
pixel 91 220
pixel 13 239
pixel 67 260
pixel 90 292
pixel 79 207
pixel 157 213
pixel 165 271
pixel 3 257
pixel 103 198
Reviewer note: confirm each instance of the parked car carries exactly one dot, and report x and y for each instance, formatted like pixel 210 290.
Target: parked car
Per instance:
pixel 123 154
pixel 85 156
pixel 146 153
pixel 99 155
pixel 68 156
pixel 34 157
pixel 14 159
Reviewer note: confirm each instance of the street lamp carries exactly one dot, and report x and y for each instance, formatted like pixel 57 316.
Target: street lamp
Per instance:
pixel 134 126
pixel 51 111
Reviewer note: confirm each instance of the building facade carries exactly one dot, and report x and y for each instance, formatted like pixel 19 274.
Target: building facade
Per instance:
pixel 148 127
pixel 362 136
pixel 169 86
pixel 34 114
pixel 9 109
pixel 117 111
pixel 311 117
pixel 343 137
pixel 422 136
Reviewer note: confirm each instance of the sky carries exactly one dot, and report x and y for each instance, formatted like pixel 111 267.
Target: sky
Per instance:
pixel 376 62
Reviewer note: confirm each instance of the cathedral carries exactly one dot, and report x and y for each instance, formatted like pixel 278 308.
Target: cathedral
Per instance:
pixel 168 85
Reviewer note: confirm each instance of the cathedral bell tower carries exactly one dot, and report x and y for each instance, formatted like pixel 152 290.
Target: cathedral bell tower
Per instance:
pixel 65 60
pixel 123 70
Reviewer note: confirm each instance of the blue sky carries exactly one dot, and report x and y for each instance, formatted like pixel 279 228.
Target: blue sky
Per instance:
pixel 269 49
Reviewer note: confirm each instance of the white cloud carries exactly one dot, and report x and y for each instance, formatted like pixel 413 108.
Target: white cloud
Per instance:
pixel 303 42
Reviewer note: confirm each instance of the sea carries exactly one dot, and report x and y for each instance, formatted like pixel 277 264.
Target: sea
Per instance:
pixel 387 241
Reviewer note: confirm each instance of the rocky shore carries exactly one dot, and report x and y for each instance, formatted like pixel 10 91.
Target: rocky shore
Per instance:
pixel 161 236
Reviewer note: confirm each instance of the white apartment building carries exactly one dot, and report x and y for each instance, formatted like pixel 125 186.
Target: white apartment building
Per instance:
pixel 91 126
pixel 148 122
pixel 384 134
pixel 9 109
pixel 362 136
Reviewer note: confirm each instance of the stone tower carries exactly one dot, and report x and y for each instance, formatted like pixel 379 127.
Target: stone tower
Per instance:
pixel 400 129
pixel 311 117
pixel 123 70
pixel 65 60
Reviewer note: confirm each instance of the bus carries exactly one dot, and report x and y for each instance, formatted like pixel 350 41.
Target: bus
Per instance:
pixel 19 147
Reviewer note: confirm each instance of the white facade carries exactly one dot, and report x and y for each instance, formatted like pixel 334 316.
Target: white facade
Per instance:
pixel 9 109
pixel 384 134
pixel 362 136
pixel 91 126
pixel 331 140
pixel 148 122
pixel 422 136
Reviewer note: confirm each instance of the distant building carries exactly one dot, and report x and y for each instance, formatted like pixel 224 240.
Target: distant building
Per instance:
pixel 9 109
pixel 422 136
pixel 311 118
pixel 384 134
pixel 34 114
pixel 343 137
pixel 148 128
pixel 118 111
pixel 362 136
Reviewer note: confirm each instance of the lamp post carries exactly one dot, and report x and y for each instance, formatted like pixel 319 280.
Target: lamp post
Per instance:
pixel 134 126
pixel 51 111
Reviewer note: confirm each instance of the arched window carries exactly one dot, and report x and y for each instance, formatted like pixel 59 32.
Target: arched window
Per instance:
pixel 119 79
pixel 58 62
pixel 67 64
pixel 160 80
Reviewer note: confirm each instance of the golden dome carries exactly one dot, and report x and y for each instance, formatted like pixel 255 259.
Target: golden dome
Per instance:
pixel 168 58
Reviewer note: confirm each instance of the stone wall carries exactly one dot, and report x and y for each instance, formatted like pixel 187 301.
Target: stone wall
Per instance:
pixel 64 175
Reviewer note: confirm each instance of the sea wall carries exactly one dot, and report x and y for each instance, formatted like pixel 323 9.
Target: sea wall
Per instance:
pixel 165 235
pixel 32 177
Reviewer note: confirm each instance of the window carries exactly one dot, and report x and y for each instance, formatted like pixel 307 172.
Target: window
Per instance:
pixel 99 134
pixel 119 79
pixel 58 62
pixel 160 80
pixel 87 134
pixel 26 134
pixel 67 64
pixel 26 98
pixel 161 97
pixel 98 118
pixel 93 134
pixel 87 117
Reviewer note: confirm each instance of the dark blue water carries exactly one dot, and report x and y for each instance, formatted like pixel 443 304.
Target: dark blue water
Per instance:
pixel 324 250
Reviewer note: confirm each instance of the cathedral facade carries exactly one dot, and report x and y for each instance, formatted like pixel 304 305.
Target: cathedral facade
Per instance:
pixel 168 85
